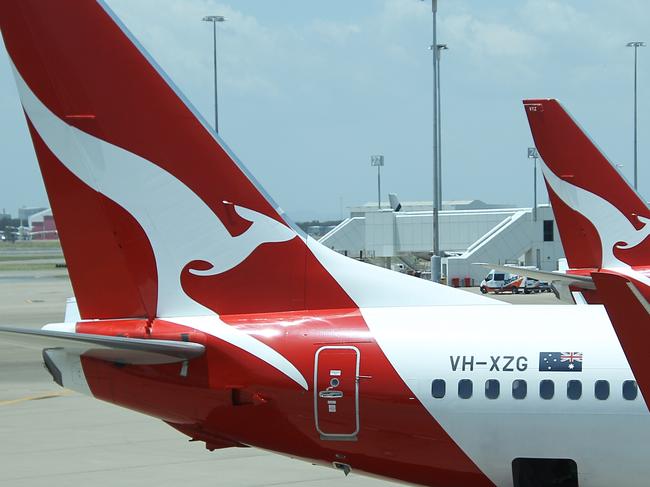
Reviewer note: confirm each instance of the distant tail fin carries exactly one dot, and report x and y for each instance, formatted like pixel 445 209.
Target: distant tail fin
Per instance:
pixel 156 216
pixel 602 221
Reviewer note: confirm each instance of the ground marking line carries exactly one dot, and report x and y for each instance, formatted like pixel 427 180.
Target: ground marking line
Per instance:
pixel 50 395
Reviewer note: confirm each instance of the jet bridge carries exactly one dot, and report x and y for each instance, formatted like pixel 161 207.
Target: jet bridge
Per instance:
pixel 495 235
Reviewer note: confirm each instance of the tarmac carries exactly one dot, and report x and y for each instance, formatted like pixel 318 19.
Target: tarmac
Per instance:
pixel 51 436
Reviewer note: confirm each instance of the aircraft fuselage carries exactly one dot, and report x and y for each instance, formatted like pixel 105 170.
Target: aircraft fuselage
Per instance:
pixel 433 396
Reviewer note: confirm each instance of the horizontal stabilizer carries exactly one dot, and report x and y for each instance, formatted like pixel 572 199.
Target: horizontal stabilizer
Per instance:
pixel 582 282
pixel 135 351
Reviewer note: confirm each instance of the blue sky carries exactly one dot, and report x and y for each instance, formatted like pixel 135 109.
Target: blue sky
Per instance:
pixel 309 90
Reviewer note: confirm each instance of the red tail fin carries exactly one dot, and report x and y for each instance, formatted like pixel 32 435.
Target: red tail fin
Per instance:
pixel 156 216
pixel 150 205
pixel 602 221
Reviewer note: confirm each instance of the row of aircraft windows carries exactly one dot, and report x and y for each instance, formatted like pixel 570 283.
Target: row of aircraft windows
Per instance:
pixel 546 389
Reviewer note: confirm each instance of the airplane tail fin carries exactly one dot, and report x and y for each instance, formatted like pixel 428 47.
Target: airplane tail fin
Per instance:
pixel 151 207
pixel 628 308
pixel 156 216
pixel 602 221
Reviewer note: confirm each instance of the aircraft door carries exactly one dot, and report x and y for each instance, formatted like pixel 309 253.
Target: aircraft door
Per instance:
pixel 336 392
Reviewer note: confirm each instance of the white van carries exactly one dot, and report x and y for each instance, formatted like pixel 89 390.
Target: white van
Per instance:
pixel 501 282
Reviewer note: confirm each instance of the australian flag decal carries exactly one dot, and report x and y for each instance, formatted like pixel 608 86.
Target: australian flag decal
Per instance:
pixel 560 361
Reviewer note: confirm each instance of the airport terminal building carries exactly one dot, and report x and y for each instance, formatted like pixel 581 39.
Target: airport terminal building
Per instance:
pixel 470 232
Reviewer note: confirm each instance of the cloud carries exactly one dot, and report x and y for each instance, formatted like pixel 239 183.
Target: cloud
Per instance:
pixel 182 43
pixel 486 39
pixel 312 91
pixel 400 11
pixel 550 17
pixel 335 32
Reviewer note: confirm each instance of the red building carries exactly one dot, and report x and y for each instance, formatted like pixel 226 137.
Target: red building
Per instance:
pixel 42 226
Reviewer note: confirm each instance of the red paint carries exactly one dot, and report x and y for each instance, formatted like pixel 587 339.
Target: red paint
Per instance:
pixel 78 61
pixel 566 150
pixel 630 320
pixel 639 254
pixel 231 396
pixel 109 259
pixel 580 239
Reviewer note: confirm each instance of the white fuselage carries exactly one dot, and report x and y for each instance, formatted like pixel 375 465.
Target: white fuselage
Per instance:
pixel 606 438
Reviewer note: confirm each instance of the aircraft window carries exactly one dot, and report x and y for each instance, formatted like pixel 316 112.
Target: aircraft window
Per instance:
pixel 519 388
pixel 601 389
pixel 492 388
pixel 630 390
pixel 465 388
pixel 546 389
pixel 438 388
pixel 574 389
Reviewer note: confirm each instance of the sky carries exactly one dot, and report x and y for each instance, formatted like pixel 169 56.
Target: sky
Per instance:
pixel 308 91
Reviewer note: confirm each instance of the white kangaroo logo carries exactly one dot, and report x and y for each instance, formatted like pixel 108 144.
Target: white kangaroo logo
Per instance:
pixel 159 201
pixel 613 227
pixel 233 251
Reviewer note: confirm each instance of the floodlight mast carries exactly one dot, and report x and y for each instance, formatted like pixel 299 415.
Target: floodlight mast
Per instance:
pixel 440 48
pixel 215 19
pixel 533 154
pixel 635 45
pixel 435 256
pixel 378 161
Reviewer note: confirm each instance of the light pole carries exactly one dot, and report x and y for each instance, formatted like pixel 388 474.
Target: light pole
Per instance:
pixel 378 161
pixel 440 48
pixel 635 45
pixel 435 257
pixel 214 19
pixel 533 154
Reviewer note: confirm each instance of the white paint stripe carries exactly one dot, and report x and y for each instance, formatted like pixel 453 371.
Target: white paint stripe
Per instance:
pixel 639 296
pixel 159 202
pixel 631 273
pixel 612 225
pixel 373 286
pixel 213 326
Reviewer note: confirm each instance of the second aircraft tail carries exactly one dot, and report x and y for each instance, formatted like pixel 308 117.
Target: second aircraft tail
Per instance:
pixel 602 221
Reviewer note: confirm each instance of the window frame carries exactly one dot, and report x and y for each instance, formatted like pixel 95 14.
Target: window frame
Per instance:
pixel 609 389
pixel 636 390
pixel 568 393
pixel 498 389
pixel 547 381
pixel 471 388
pixel 435 382
pixel 525 389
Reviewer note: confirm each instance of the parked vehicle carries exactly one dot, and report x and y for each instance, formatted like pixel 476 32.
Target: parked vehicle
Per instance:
pixel 531 285
pixel 501 282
